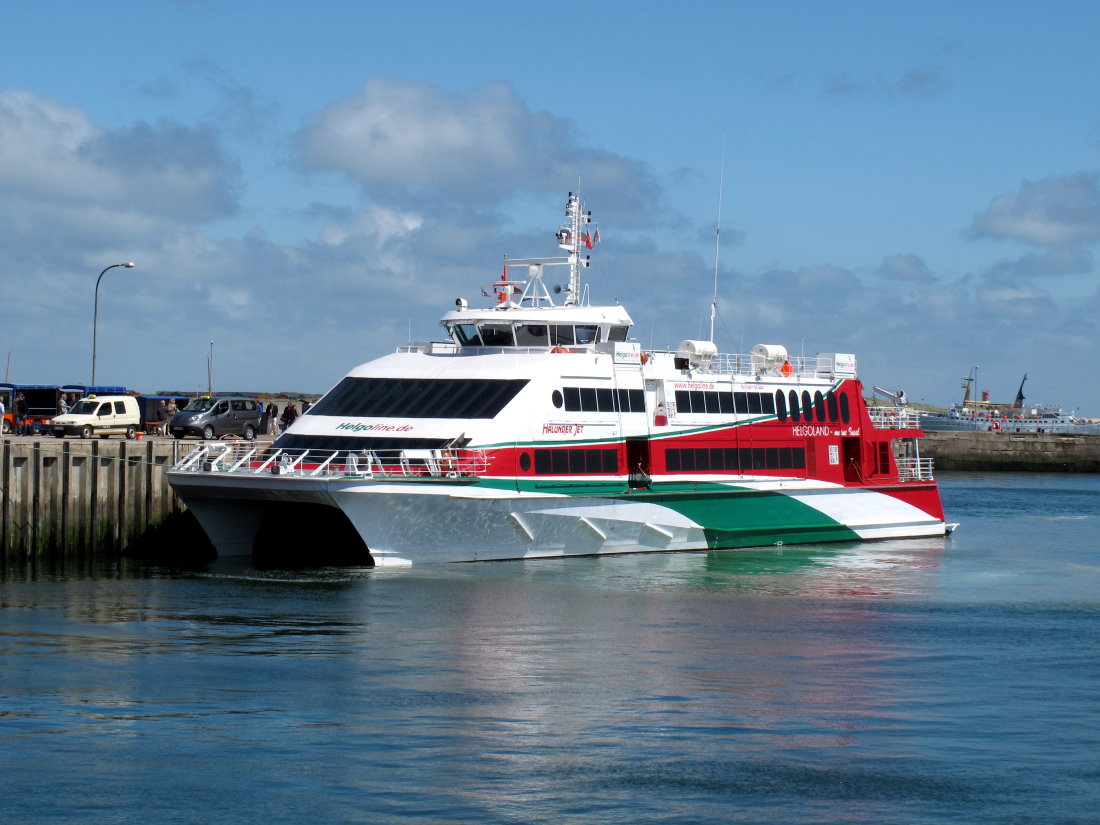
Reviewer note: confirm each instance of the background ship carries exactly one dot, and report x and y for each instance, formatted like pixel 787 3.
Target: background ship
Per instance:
pixel 1015 417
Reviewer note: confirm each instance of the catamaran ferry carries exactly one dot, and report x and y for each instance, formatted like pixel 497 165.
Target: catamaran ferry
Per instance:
pixel 541 429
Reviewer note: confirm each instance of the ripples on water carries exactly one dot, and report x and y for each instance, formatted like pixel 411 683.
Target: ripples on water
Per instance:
pixel 897 682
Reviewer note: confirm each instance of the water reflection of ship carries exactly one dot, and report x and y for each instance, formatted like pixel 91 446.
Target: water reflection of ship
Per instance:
pixel 997 416
pixel 887 568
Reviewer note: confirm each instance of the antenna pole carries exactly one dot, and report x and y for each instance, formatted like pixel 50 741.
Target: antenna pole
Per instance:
pixel 717 243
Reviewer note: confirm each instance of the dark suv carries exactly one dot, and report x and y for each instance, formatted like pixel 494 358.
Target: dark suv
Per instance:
pixel 214 417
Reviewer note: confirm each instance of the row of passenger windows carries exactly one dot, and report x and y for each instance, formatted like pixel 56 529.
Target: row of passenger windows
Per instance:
pixel 599 399
pixel 572 462
pixel 710 401
pixel 491 334
pixel 418 397
pixel 819 407
pixel 736 459
pixel 796 406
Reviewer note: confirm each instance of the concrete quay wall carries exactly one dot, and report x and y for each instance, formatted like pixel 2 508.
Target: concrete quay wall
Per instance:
pixel 68 496
pixel 1035 452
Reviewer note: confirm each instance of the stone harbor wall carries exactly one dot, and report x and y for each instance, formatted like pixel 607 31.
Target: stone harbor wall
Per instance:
pixel 1043 452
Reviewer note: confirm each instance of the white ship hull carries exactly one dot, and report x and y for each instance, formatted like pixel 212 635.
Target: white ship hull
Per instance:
pixel 402 523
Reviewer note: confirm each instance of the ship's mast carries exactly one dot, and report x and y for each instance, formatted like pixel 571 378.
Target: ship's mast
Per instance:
pixel 1019 403
pixel 570 238
pixel 717 245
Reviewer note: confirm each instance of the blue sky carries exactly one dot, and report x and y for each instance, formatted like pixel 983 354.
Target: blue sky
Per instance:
pixel 307 184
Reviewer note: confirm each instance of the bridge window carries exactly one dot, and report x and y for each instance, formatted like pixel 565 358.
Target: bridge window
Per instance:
pixel 532 335
pixel 465 335
pixel 497 335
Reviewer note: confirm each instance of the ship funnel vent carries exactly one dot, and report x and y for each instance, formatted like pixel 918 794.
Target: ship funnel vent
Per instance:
pixel 768 357
pixel 697 353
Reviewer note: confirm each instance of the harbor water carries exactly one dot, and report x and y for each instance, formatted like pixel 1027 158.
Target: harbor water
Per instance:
pixel 931 681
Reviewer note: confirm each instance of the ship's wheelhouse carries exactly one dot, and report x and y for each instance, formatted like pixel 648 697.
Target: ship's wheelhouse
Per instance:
pixel 495 332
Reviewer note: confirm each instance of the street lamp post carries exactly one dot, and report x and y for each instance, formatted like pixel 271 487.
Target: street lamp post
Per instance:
pixel 95 316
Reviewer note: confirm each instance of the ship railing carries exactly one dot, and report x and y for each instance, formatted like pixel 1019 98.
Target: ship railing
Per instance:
pixel 894 418
pixel 914 469
pixel 737 364
pixel 261 460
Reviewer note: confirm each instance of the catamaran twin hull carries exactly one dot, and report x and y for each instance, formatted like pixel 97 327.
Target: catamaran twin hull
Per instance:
pixel 432 520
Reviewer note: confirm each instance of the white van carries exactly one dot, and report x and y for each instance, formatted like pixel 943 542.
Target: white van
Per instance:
pixel 102 415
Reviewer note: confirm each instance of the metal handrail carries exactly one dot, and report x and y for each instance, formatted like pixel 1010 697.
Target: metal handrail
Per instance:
pixel 443 463
pixel 894 418
pixel 914 469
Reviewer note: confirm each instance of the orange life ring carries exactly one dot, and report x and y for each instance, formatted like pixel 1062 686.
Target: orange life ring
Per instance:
pixel 559 349
pixel 786 370
pixel 645 357
pixel 996 425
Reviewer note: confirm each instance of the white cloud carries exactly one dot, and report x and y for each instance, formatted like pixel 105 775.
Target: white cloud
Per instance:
pixel 51 155
pixel 1051 212
pixel 402 139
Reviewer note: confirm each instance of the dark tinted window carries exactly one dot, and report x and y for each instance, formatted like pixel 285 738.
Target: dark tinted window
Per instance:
pixel 466 335
pixel 724 403
pixel 727 459
pixel 570 461
pixel 587 334
pixel 418 397
pixel 497 335
pixel 588 399
pixel 603 399
pixel 531 335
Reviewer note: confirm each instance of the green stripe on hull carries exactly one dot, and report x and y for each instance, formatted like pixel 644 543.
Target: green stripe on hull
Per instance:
pixel 730 516
pixel 750 518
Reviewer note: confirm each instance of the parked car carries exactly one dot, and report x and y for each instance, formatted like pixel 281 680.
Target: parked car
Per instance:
pixel 103 415
pixel 214 417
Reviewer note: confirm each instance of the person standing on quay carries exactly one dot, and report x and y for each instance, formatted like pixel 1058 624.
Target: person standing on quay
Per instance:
pixel 289 414
pixel 162 418
pixel 20 414
pixel 272 413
